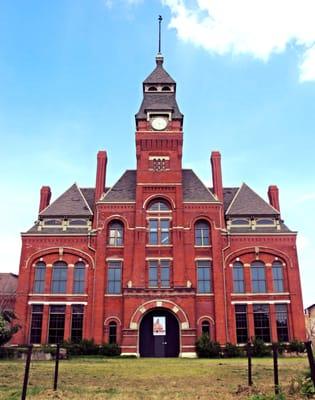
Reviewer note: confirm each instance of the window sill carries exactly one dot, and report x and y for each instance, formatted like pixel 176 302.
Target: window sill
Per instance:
pixel 58 294
pixel 158 245
pixel 204 294
pixel 207 246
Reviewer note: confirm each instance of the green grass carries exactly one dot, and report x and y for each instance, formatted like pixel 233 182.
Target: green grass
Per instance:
pixel 103 378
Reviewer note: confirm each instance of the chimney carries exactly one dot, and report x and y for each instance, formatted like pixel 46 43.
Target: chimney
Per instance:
pixel 45 195
pixel 217 174
pixel 273 194
pixel 100 174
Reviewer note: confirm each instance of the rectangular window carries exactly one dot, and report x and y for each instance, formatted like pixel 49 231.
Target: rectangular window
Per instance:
pixel 159 273
pixel 258 279
pixel 241 323
pixel 59 279
pixel 114 277
pixel 238 279
pixel 204 278
pixel 159 232
pixel 262 322
pixel 277 276
pixel 77 322
pixel 56 324
pixel 79 278
pixel 39 280
pixel 282 322
pixel 36 324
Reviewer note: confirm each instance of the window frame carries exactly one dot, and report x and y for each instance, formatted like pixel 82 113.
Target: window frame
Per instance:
pixel 241 323
pixel 202 240
pixel 77 319
pixel 205 328
pixel 113 232
pixel 112 332
pixel 38 322
pixel 59 286
pixel 204 285
pixel 259 284
pixel 277 282
pixel 78 284
pixel 114 266
pixel 162 234
pixel 238 283
pixel 39 281
pixel 262 331
pixel 158 266
pixel 282 330
pixel 59 319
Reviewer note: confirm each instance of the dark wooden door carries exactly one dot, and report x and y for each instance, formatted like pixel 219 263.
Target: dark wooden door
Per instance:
pixel 159 345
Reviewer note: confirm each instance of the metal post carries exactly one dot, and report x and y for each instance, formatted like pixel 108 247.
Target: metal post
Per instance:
pixel 27 371
pixel 249 358
pixel 275 367
pixel 308 346
pixel 56 366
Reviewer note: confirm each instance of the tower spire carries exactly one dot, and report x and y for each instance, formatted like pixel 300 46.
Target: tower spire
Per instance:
pixel 160 21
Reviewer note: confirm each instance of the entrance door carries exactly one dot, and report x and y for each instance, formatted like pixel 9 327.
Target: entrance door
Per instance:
pixel 159 334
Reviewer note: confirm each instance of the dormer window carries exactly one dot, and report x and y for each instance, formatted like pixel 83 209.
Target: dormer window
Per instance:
pixel 152 89
pixel 166 89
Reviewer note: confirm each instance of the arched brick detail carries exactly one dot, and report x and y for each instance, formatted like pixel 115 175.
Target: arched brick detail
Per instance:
pixel 230 258
pixel 152 304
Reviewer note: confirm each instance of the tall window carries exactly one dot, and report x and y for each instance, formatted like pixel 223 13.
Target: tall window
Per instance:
pixel 114 277
pixel 116 234
pixel 241 323
pixel 112 335
pixel 277 275
pixel 36 324
pixel 39 279
pixel 204 278
pixel 262 322
pixel 238 278
pixel 56 324
pixel 77 322
pixel 205 328
pixel 202 234
pixel 159 273
pixel 282 322
pixel 59 277
pixel 79 278
pixel 258 277
pixel 159 231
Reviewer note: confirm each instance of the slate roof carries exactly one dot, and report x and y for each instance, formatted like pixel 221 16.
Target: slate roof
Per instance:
pixel 194 189
pixel 124 189
pixel 159 75
pixel 8 283
pixel 70 203
pixel 247 203
pixel 266 230
pixel 159 102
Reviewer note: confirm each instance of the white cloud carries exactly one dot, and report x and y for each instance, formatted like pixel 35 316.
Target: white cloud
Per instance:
pixel 258 28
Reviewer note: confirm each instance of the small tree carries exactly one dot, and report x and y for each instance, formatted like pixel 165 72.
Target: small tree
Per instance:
pixel 7 328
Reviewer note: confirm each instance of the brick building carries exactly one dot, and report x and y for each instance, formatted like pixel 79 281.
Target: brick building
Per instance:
pixel 159 258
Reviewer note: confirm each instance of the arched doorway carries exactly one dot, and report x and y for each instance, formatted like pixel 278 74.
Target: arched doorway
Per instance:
pixel 159 334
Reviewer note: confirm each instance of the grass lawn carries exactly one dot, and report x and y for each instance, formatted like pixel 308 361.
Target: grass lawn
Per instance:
pixel 102 378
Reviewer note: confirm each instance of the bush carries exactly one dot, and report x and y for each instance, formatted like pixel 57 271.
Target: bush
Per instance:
pixel 231 350
pixel 109 350
pixel 295 346
pixel 260 349
pixel 207 348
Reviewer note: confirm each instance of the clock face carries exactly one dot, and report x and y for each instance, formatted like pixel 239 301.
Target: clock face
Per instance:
pixel 159 123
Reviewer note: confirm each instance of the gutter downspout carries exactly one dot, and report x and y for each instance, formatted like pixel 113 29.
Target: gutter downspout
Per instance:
pixel 224 286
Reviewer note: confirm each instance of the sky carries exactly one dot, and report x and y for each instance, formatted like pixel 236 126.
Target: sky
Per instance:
pixel 71 75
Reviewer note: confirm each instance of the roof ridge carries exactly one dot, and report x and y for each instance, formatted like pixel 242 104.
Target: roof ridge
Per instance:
pixel 235 196
pixel 49 205
pixel 84 199
pixel 204 185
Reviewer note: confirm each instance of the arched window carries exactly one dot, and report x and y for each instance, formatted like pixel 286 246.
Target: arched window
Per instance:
pixel 59 277
pixel 202 233
pixel 166 89
pixel 39 279
pixel 115 234
pixel 205 328
pixel 152 89
pixel 277 275
pixel 238 277
pixel 258 277
pixel 79 278
pixel 112 334
pixel 159 223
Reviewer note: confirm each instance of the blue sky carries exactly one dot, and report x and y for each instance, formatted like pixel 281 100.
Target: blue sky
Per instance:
pixel 70 84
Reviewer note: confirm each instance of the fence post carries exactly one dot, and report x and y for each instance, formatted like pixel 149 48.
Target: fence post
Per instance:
pixel 27 371
pixel 275 367
pixel 308 346
pixel 56 366
pixel 249 358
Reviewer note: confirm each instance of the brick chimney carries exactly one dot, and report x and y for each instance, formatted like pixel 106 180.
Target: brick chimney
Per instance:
pixel 273 194
pixel 45 195
pixel 100 174
pixel 217 174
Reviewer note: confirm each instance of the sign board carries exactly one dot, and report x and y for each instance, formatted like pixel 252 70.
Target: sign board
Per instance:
pixel 159 326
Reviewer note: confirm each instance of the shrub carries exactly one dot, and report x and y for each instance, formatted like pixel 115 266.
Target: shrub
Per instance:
pixel 231 350
pixel 295 346
pixel 85 347
pixel 109 350
pixel 260 349
pixel 207 348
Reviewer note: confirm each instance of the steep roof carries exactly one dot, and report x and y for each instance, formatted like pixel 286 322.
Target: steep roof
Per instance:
pixel 159 75
pixel 194 189
pixel 70 203
pixel 8 283
pixel 247 202
pixel 124 189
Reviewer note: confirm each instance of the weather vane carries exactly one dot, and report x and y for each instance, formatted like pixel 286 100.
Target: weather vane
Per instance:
pixel 160 20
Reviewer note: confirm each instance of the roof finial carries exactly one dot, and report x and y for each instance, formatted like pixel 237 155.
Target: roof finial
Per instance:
pixel 159 57
pixel 160 20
